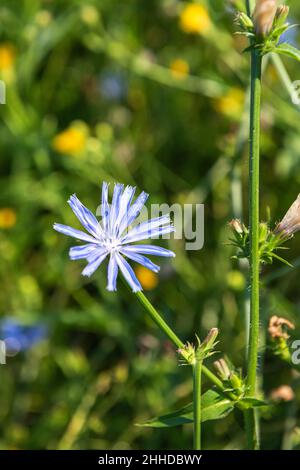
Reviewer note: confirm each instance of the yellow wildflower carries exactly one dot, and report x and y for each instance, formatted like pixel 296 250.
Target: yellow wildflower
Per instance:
pixel 8 217
pixel 194 18
pixel 71 141
pixel 148 279
pixel 231 104
pixel 7 56
pixel 179 68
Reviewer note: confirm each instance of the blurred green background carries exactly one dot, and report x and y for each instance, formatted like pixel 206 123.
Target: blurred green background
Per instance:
pixel 150 93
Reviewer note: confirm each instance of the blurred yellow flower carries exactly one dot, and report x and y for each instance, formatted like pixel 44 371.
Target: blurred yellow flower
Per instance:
pixel 89 14
pixel 71 141
pixel 8 217
pixel 236 280
pixel 147 278
pixel 232 103
pixel 179 68
pixel 43 18
pixel 194 18
pixel 7 56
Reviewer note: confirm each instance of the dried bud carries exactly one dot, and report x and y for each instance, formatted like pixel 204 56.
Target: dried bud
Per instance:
pixel 277 326
pixel 282 14
pixel 236 225
pixel 210 338
pixel 222 369
pixel 263 16
pixel 283 393
pixel 290 223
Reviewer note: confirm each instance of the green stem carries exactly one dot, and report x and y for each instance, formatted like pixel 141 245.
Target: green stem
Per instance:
pixel 197 403
pixel 248 7
pixel 253 346
pixel 160 322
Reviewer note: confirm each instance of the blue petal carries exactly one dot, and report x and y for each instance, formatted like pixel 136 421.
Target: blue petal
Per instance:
pixel 85 216
pixel 115 208
pixel 82 251
pixel 112 273
pixel 72 232
pixel 149 250
pixel 150 228
pixel 94 263
pixel 136 208
pixel 105 210
pixel 128 273
pixel 143 260
pixel 125 201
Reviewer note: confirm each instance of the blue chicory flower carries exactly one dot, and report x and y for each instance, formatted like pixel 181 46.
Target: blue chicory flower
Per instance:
pixel 25 336
pixel 113 86
pixel 113 236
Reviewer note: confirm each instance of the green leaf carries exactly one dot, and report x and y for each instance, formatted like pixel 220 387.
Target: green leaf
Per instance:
pixel 214 406
pixel 288 50
pixel 252 402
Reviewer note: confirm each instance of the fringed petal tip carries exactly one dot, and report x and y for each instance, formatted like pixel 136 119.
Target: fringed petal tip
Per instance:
pixel 111 288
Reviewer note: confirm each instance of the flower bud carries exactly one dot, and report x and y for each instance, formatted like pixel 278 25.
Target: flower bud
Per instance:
pixel 263 16
pixel 235 381
pixel 236 225
pixel 290 223
pixel 283 393
pixel 222 369
pixel 211 338
pixel 244 20
pixel 281 14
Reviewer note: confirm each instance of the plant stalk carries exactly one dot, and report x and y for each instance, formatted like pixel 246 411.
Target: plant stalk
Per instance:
pixel 160 322
pixel 197 370
pixel 253 345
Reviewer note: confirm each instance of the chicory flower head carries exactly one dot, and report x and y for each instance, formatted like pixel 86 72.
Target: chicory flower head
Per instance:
pixel 114 236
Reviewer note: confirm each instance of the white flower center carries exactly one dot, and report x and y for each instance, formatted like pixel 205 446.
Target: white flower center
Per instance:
pixel 112 244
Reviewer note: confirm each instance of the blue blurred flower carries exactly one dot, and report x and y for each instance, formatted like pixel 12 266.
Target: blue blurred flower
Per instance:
pixel 21 337
pixel 112 238
pixel 113 86
pixel 290 36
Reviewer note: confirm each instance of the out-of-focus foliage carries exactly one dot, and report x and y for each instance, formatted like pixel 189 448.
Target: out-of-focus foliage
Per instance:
pixel 152 94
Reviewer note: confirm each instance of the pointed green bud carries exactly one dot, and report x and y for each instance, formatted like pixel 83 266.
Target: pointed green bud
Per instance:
pixel 245 22
pixel 235 381
pixel 188 353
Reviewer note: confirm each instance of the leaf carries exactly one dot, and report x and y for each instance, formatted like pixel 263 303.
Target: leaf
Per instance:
pixel 214 406
pixel 288 50
pixel 252 402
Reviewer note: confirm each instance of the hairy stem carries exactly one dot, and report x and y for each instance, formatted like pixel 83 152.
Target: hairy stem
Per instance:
pixel 253 346
pixel 197 403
